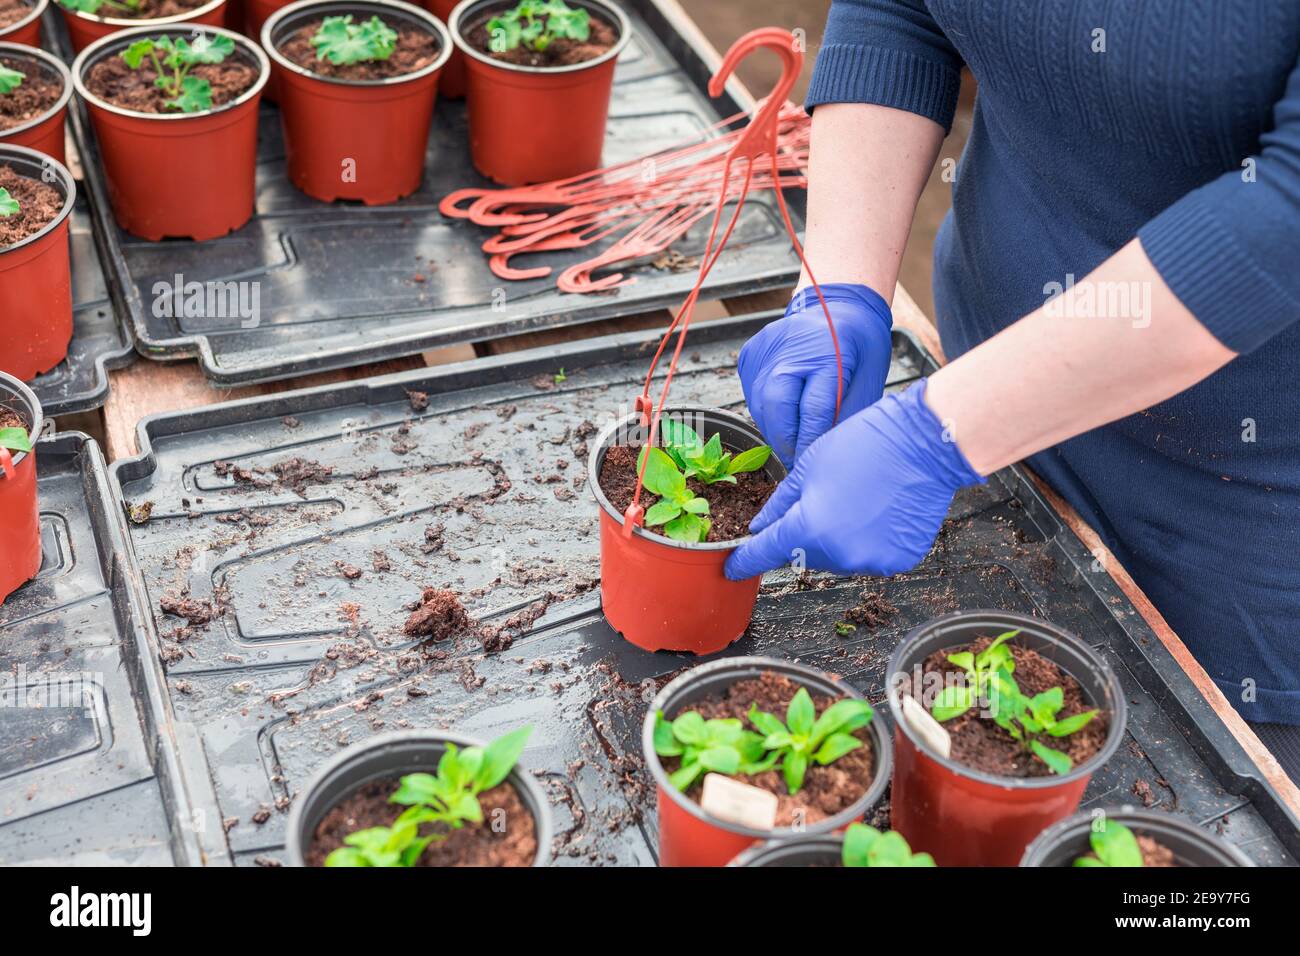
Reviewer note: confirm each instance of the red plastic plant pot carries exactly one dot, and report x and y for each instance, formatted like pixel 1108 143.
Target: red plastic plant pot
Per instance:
pixel 389 756
pixel 825 850
pixel 36 277
pixel 85 28
pixel 963 816
pixel 187 175
pixel 44 133
pixel 453 82
pixel 531 125
pixel 1064 842
pixel 26 31
pixel 690 837
pixel 666 595
pixel 252 19
pixel 20 520
pixel 355 139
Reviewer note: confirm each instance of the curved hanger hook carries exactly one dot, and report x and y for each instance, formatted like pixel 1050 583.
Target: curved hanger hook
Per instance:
pixel 760 136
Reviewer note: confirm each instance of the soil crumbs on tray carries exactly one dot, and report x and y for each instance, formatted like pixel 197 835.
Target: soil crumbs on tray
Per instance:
pixel 115 82
pixel 980 743
pixel 39 204
pixel 34 95
pixel 731 507
pixel 826 790
pixel 474 844
pixel 415 50
pixel 560 52
pixel 11 11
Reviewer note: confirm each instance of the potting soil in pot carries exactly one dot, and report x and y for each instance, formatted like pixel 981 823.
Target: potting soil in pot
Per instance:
pixel 150 10
pixel 115 82
pixel 472 845
pixel 11 419
pixel 1154 854
pixel 39 204
pixel 415 50
pixel 826 790
pixel 33 96
pixel 560 52
pixel 980 743
pixel 11 11
pixel 731 507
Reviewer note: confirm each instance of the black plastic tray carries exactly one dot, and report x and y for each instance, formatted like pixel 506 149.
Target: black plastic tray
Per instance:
pixel 88 763
pixel 337 282
pixel 306 659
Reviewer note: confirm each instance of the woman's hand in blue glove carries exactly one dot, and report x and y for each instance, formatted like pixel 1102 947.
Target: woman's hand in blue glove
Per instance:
pixel 867 498
pixel 788 369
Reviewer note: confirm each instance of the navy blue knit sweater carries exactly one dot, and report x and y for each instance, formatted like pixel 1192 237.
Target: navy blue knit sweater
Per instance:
pixel 1177 121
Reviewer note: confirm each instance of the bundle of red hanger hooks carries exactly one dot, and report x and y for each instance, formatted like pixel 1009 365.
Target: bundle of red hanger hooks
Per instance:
pixel 648 203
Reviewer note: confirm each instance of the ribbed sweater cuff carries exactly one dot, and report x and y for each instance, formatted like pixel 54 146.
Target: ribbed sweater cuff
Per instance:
pixel 848 73
pixel 1202 263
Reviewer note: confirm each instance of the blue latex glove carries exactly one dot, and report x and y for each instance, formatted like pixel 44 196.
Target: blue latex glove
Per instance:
pixel 867 498
pixel 788 369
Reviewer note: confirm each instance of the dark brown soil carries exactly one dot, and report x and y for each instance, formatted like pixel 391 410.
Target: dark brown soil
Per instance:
pixel 415 50
pixel 731 507
pixel 980 743
pixel 39 204
pixel 874 610
pixel 149 9
pixel 474 844
pixel 11 11
pixel 826 790
pixel 115 82
pixel 559 53
pixel 36 94
pixel 11 419
pixel 438 616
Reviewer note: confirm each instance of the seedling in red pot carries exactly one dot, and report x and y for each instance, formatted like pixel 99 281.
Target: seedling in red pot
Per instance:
pixel 980 668
pixel 93 6
pixel 173 58
pixel 706 461
pixel 681 512
pixel 536 24
pixel 718 746
pixel 342 42
pixel 867 846
pixel 1113 845
pixel 14 439
pixel 10 80
pixel 8 204
pixel 806 737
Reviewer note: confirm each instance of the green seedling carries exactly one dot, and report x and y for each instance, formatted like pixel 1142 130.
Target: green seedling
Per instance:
pixel 342 42
pixel 92 7
pixel 173 58
pixel 14 439
pixel 805 737
pixel 844 628
pixel 706 460
pixel 867 846
pixel 681 512
pixel 719 746
pixel 1029 718
pixel 560 377
pixel 536 24
pixel 450 798
pixel 8 204
pixel 1113 845
pixel 10 80
pixel 979 669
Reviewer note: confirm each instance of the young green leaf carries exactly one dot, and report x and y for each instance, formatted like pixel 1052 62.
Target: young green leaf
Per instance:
pixel 8 205
pixel 536 24
pixel 15 439
pixel 751 460
pixel 499 758
pixel 172 59
pixel 806 737
pixel 867 846
pixel 195 96
pixel 342 42
pixel 10 80
pixel 397 846
pixel 709 746
pixel 1114 845
pixel 680 511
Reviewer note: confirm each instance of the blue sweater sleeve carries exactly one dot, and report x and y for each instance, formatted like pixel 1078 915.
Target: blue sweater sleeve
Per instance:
pixel 1230 249
pixel 888 52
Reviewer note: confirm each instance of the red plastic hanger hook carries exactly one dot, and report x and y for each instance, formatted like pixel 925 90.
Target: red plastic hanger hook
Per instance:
pixel 760 136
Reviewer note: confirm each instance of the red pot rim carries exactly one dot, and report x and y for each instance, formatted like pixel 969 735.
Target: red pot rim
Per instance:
pixel 123 38
pixel 426 19
pixel 605 441
pixel 54 63
pixel 38 8
pixel 31 158
pixel 9 383
pixel 821 681
pixel 153 22
pixel 612 12
pixel 1007 620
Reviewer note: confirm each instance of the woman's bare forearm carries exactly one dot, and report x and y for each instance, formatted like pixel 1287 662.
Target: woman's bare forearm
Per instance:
pixel 867 168
pixel 1115 344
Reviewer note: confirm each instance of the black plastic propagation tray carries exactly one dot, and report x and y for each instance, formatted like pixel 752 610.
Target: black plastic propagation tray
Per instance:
pixel 289 536
pixel 342 284
pixel 88 766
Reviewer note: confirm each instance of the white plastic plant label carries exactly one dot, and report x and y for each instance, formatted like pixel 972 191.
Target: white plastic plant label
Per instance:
pixel 738 802
pixel 926 727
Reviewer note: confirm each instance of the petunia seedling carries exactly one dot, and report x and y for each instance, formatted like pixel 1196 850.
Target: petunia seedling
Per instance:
pixel 14 439
pixel 8 204
pixel 806 738
pixel 1028 719
pixel 449 797
pixel 867 846
pixel 705 460
pixel 1113 844
pixel 979 670
pixel 173 58
pixel 681 512
pixel 718 746
pixel 10 80
pixel 342 42
pixel 536 24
